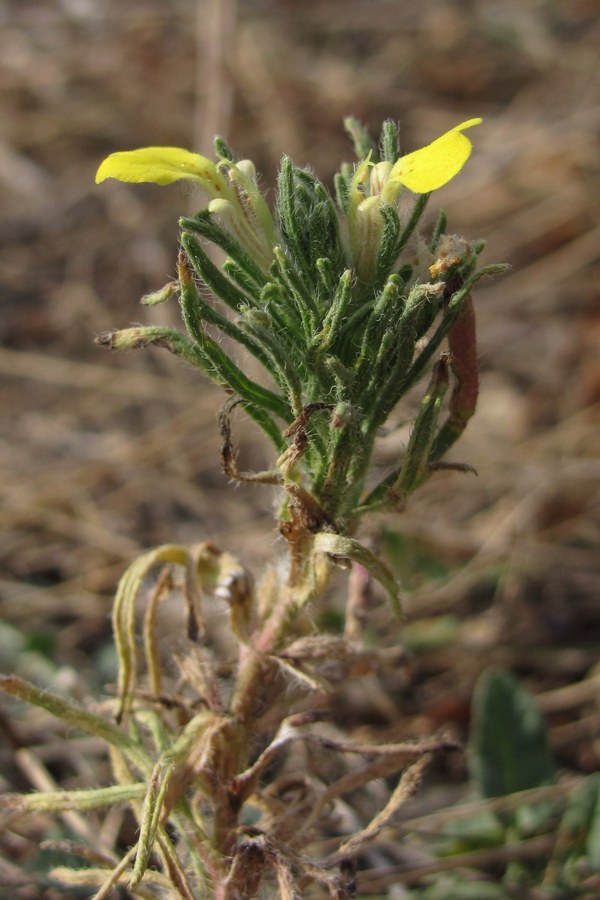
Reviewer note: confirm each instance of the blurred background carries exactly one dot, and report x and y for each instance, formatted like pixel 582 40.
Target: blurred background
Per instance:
pixel 104 455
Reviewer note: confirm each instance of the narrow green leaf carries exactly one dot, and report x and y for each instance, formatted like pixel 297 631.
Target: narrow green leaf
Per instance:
pixel 94 798
pixel 222 148
pixel 439 229
pixel 309 224
pixel 592 844
pixel 361 139
pixel 203 224
pixel 450 316
pixel 333 321
pixel 381 320
pixel 414 468
pixel 341 183
pixel 387 252
pixel 212 276
pixel 389 142
pixel 68 712
pixel 509 743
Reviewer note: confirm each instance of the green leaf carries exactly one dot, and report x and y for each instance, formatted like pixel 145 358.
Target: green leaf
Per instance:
pixel 389 141
pixel 94 798
pixel 309 224
pixel 362 140
pixel 204 224
pixel 592 844
pixel 509 741
pixel 71 713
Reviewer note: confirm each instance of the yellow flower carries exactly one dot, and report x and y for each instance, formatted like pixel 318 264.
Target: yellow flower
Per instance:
pixel 433 166
pixel 236 201
pixel 162 165
pixel 421 171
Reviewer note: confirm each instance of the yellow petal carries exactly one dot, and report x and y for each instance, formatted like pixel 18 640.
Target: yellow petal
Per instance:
pixel 162 165
pixel 432 166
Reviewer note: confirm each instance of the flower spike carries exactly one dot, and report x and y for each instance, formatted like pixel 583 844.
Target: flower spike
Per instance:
pixel 232 187
pixel 378 184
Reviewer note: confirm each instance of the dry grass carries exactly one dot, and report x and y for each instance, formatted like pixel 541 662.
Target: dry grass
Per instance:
pixel 106 455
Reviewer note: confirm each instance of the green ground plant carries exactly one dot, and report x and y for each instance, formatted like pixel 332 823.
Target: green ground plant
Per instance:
pixel 347 306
